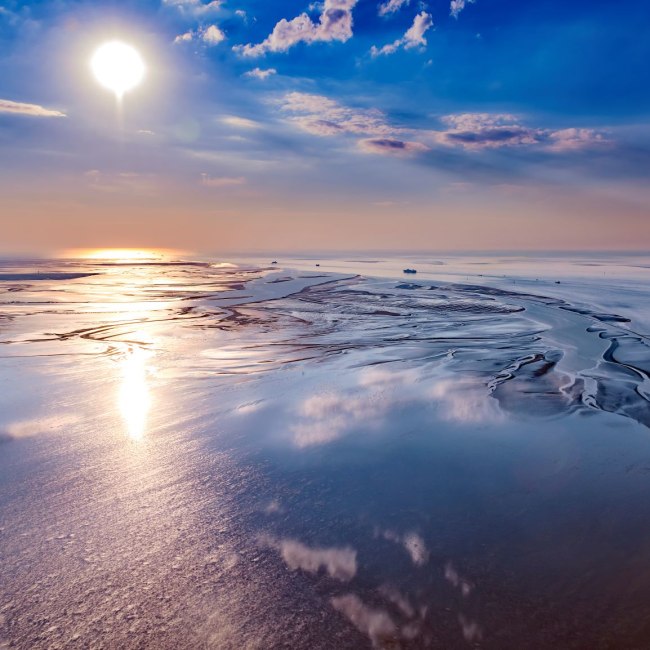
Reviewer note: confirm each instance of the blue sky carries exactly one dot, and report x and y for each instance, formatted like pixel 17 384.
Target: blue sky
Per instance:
pixel 343 124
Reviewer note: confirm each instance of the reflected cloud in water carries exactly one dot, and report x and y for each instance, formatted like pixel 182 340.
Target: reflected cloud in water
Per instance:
pixel 134 398
pixel 472 631
pixel 413 544
pixel 273 507
pixel 327 417
pixel 375 623
pixel 466 400
pixel 37 426
pixel 416 548
pixel 457 581
pixel 339 563
pixel 398 599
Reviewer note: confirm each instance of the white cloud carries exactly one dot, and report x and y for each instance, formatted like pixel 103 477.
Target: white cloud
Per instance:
pixel 457 6
pixel 414 36
pixel 335 24
pixel 184 38
pixel 391 6
pixel 18 108
pixel 259 73
pixel 210 35
pixel 339 563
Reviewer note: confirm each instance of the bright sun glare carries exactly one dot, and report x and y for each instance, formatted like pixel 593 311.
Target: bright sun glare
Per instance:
pixel 122 254
pixel 134 399
pixel 118 67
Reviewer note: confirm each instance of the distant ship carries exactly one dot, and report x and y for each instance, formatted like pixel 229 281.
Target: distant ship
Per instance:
pixel 410 271
pixel 274 262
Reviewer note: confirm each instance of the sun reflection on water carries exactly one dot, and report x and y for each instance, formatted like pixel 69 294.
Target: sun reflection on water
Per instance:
pixel 134 397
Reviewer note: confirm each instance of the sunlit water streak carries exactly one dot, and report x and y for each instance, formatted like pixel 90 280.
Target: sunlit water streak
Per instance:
pixel 134 396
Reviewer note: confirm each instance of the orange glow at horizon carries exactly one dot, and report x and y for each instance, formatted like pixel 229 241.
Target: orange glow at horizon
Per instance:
pixel 123 254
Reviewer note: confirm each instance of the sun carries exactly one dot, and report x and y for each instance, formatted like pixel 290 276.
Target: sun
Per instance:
pixel 118 67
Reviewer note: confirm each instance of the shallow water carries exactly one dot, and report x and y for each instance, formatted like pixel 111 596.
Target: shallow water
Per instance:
pixel 251 456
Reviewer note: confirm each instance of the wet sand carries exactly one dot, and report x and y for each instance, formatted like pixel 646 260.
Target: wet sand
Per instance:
pixel 206 456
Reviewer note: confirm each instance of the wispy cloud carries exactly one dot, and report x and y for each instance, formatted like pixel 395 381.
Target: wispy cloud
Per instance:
pixel 496 130
pixel 194 7
pixel 414 36
pixel 34 110
pixel 391 6
pixel 334 24
pixel 486 130
pixel 9 16
pixel 121 182
pixel 221 181
pixel 323 116
pixel 457 6
pixel 259 73
pixel 240 122
pixel 574 139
